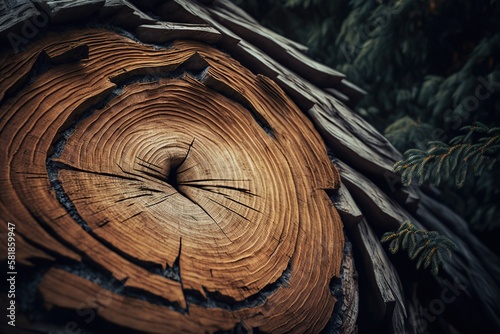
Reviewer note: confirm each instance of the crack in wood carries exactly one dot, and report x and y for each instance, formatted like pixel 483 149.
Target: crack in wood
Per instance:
pixel 228 208
pixel 218 300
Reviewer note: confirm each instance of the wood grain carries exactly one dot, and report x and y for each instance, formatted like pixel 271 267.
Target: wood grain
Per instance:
pixel 180 174
pixel 95 126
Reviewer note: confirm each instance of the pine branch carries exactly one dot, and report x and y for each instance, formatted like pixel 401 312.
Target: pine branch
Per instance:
pixel 405 133
pixel 426 247
pixel 464 155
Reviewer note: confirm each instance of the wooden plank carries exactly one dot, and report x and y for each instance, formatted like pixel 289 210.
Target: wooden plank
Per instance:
pixel 165 31
pixel 230 6
pixel 339 96
pixel 124 14
pixel 383 299
pixel 384 213
pixel 274 47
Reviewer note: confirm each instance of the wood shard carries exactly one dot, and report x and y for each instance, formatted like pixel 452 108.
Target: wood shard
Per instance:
pixel 164 31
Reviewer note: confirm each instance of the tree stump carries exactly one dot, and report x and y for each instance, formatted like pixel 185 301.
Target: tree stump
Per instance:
pixel 173 166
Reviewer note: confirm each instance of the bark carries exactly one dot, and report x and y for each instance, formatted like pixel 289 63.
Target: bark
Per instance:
pixel 173 166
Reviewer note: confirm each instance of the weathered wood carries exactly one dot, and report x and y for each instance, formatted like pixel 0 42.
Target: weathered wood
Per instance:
pixel 350 300
pixel 346 205
pixel 13 17
pixel 380 288
pixel 215 225
pixel 164 32
pixel 69 11
pixel 384 213
pixel 94 124
pixel 270 43
pixel 124 14
pixel 354 92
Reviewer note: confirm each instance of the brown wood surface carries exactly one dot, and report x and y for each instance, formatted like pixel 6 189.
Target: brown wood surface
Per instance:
pixel 168 171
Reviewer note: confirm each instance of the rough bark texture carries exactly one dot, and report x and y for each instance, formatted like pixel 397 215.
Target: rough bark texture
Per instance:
pixel 173 166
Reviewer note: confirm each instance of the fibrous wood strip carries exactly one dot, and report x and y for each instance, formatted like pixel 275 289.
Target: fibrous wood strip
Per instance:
pixel 361 144
pixel 270 42
pixel 128 312
pixel 65 11
pixel 214 178
pixel 384 299
pixel 350 300
pixel 167 31
pixel 340 96
pixel 228 5
pixel 384 213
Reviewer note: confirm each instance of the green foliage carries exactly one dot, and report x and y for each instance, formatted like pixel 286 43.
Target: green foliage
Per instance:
pixel 472 152
pixel 428 248
pixel 427 60
pixel 406 133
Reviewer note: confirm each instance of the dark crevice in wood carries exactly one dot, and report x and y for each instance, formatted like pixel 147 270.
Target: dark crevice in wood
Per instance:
pixel 217 300
pixel 43 64
pixel 207 213
pixel 31 302
pixel 238 202
pixel 222 186
pixel 336 321
pixel 61 165
pixel 66 202
pixel 238 329
pixel 148 165
pixel 228 208
pixel 229 92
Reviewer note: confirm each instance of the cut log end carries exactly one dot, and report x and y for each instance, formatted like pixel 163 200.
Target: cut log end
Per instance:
pixel 194 196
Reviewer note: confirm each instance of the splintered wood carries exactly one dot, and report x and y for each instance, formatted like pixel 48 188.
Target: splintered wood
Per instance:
pixel 191 188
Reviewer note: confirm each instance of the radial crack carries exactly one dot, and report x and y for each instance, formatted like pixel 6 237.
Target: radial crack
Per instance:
pixel 162 199
pixel 187 154
pixel 208 214
pixel 228 208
